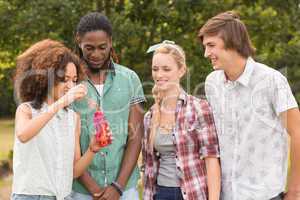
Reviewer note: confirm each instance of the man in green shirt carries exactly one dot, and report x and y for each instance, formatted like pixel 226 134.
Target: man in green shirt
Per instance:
pixel 117 90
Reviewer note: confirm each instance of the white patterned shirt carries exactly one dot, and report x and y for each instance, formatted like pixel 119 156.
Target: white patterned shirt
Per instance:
pixel 44 164
pixel 253 142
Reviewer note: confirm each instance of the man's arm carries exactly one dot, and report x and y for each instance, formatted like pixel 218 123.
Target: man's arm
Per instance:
pixel 132 151
pixel 134 144
pixel 213 177
pixel 90 184
pixel 291 121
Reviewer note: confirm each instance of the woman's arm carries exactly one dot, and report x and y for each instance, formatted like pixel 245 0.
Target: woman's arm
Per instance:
pixel 82 162
pixel 213 177
pixel 28 127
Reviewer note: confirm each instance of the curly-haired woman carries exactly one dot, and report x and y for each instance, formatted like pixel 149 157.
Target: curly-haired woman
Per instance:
pixel 46 150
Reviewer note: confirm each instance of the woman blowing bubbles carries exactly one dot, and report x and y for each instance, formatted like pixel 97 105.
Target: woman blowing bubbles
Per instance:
pixel 180 146
pixel 46 150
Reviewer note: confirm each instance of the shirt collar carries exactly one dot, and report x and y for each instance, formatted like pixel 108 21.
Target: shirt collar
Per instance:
pixel 111 67
pixel 245 76
pixel 182 96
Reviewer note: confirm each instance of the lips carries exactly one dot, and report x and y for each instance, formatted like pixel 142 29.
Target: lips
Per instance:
pixel 161 81
pixel 213 60
pixel 95 62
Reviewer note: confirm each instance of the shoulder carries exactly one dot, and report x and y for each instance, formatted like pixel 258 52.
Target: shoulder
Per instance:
pixel 214 76
pixel 264 72
pixel 123 69
pixel 126 73
pixel 24 108
pixel 198 103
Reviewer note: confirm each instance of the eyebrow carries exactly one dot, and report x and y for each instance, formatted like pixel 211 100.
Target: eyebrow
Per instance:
pixel 164 66
pixel 208 43
pixel 66 76
pixel 91 45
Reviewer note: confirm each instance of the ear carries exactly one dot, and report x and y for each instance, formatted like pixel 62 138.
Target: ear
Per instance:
pixel 77 39
pixel 182 71
pixel 110 40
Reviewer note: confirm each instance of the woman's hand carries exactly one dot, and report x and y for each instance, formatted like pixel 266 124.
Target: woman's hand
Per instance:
pixel 75 93
pixel 95 145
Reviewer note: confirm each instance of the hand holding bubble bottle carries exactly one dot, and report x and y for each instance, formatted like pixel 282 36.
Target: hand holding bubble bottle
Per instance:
pixel 103 133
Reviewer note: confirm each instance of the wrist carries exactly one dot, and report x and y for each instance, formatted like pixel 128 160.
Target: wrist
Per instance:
pixel 92 150
pixel 117 187
pixel 96 192
pixel 60 103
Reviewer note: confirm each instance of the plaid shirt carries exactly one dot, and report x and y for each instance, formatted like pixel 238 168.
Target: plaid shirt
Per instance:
pixel 195 138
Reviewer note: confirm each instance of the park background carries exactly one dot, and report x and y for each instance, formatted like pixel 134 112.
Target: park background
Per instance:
pixel 273 25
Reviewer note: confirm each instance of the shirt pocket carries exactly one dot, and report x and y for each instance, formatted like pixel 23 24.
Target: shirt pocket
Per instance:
pixel 189 138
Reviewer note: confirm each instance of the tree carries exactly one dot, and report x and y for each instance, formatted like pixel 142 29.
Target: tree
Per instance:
pixel 274 27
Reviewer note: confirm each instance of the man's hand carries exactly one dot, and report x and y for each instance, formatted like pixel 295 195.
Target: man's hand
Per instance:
pixel 110 193
pixel 97 193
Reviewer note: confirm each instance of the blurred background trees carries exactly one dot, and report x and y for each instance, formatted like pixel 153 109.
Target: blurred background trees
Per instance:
pixel 274 26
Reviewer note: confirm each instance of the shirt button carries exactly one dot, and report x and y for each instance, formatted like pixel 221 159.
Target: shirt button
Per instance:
pixel 103 171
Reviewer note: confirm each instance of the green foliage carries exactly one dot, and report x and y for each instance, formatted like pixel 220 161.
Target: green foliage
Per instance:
pixel 274 27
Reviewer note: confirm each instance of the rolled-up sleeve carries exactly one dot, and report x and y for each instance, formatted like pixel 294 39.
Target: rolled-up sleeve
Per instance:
pixel 208 139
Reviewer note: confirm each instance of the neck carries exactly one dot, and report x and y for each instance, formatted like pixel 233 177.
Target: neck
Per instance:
pixel 169 98
pixel 97 78
pixel 236 67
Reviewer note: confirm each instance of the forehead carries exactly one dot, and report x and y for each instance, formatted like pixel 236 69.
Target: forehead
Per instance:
pixel 70 69
pixel 95 38
pixel 216 39
pixel 163 59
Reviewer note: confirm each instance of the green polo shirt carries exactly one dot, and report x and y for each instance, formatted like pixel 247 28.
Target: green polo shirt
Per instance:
pixel 122 88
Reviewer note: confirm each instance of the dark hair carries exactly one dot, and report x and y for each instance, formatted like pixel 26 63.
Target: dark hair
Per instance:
pixel 232 31
pixel 38 66
pixel 93 21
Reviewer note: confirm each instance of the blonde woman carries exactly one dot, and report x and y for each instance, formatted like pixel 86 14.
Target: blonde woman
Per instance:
pixel 180 145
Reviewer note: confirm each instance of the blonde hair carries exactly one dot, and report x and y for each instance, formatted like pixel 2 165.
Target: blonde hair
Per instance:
pixel 179 56
pixel 175 50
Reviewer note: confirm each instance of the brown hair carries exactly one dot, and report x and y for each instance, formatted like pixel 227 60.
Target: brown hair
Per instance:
pixel 41 67
pixel 232 31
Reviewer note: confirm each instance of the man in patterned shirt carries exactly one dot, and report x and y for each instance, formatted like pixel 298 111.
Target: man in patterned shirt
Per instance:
pixel 254 109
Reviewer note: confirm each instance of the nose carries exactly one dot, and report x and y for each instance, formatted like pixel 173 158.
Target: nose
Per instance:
pixel 159 73
pixel 70 84
pixel 206 52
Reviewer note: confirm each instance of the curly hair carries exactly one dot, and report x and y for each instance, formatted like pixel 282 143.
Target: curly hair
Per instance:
pixel 40 68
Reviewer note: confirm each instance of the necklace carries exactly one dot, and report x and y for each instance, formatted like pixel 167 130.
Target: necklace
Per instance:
pixel 167 127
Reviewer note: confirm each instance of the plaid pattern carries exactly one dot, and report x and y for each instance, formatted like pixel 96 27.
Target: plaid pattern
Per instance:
pixel 195 138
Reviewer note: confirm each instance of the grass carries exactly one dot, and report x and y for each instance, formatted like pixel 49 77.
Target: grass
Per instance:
pixel 6 137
